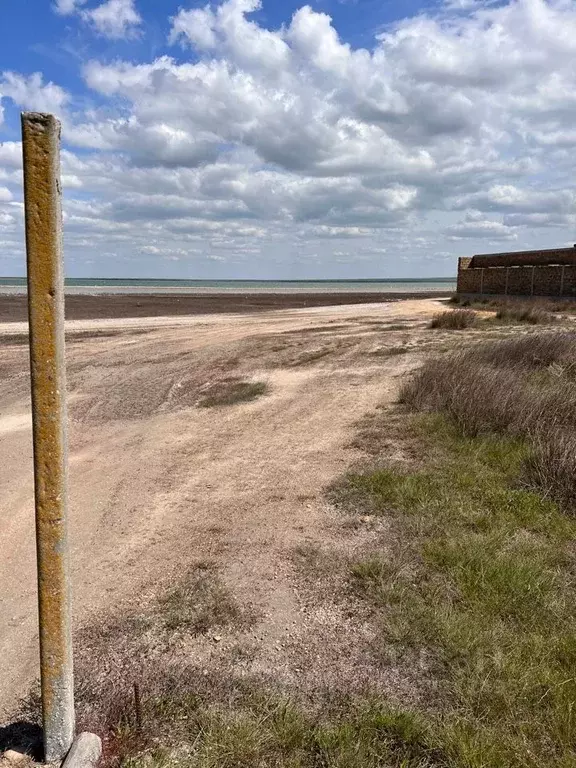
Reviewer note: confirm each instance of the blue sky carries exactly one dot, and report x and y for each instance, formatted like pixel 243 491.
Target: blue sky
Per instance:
pixel 284 140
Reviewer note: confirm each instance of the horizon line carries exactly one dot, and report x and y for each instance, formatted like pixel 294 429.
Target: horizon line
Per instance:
pixel 256 279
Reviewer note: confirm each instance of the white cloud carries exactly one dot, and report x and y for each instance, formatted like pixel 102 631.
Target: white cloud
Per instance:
pixel 507 197
pixel 474 226
pixel 114 19
pixel 10 154
pixel 32 93
pixel 467 5
pixel 67 7
pixel 451 127
pixel 541 220
pixel 339 232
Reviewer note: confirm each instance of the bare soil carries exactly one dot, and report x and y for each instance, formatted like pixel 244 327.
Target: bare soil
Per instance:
pixel 158 484
pixel 13 308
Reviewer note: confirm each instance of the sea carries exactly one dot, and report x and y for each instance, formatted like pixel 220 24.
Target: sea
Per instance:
pixel 94 286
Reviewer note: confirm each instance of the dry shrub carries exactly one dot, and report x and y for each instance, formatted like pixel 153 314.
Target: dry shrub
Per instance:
pixel 524 387
pixel 526 313
pixel 513 385
pixel 455 320
pixel 551 466
pixel 478 399
pixel 532 350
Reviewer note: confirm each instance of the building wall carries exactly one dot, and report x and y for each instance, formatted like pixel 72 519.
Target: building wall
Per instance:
pixel 526 258
pixel 545 280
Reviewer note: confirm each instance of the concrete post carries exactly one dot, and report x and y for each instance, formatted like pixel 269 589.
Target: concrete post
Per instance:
pixel 41 148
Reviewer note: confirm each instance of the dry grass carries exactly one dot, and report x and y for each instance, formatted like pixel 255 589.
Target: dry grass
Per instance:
pixel 524 387
pixel 231 391
pixel 551 465
pixel 130 674
pixel 135 685
pixel 525 313
pixel 317 329
pixel 456 319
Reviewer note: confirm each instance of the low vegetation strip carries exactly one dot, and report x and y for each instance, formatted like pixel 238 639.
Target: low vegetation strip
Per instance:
pixel 478 593
pixel 513 313
pixel 497 301
pixel 530 311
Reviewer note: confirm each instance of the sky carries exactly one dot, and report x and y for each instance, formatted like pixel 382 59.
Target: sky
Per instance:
pixel 279 140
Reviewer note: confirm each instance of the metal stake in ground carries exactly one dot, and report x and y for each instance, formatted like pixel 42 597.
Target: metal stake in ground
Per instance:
pixel 42 197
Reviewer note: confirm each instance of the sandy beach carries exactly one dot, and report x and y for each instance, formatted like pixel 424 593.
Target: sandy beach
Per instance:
pixel 157 483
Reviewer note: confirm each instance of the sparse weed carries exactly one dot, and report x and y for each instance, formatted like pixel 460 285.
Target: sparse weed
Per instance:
pixel 231 391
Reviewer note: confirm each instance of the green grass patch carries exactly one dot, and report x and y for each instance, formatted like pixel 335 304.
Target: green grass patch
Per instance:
pixel 270 732
pixel 481 586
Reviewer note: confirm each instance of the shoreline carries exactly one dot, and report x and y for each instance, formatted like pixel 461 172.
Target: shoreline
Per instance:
pixel 13 307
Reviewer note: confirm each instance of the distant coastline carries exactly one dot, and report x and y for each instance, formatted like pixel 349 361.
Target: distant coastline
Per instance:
pixel 146 286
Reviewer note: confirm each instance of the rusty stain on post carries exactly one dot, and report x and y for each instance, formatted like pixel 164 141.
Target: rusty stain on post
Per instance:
pixel 42 196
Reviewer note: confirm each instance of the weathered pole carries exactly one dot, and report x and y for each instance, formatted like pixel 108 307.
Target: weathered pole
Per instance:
pixel 42 198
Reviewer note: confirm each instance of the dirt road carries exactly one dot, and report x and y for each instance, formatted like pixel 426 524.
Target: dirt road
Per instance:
pixel 157 483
